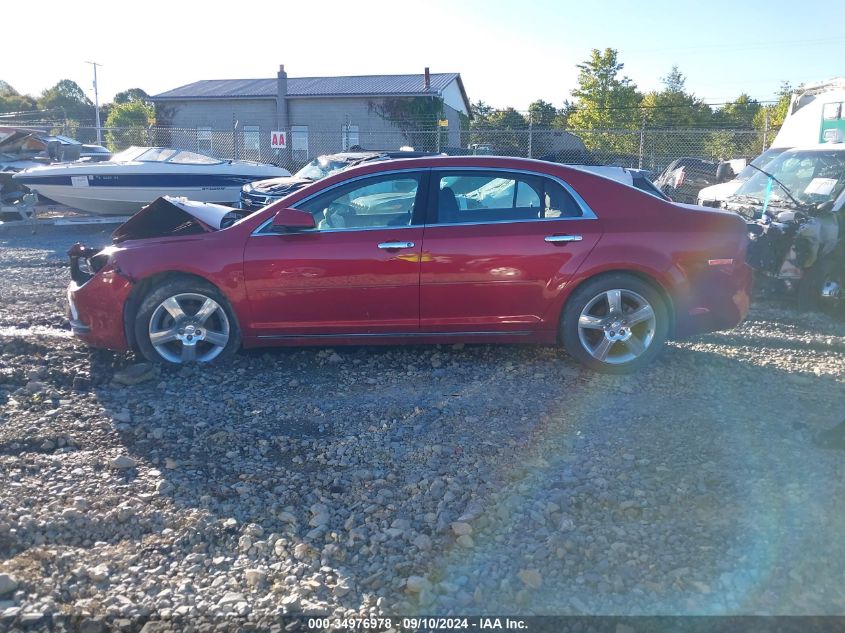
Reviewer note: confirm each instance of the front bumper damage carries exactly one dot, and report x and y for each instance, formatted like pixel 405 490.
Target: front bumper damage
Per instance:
pixel 95 301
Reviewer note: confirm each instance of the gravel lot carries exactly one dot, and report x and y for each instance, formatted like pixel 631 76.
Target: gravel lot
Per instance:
pixel 450 479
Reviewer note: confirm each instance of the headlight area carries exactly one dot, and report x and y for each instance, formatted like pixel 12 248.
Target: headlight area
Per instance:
pixel 96 296
pixel 85 262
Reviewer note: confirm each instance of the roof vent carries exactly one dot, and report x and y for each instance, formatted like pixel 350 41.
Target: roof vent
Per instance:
pixel 427 80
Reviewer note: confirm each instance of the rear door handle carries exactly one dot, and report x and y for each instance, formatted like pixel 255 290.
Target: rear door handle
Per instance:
pixel 389 246
pixel 563 238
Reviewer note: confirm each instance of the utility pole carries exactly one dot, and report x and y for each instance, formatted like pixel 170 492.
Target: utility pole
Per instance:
pixel 97 102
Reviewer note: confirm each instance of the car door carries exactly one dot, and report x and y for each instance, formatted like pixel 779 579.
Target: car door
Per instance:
pixel 356 273
pixel 498 249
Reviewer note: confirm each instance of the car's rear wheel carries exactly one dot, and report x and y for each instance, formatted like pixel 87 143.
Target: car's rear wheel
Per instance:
pixel 186 321
pixel 615 323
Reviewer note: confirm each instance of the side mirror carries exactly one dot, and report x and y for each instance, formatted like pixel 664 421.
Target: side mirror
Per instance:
pixel 824 207
pixel 293 219
pixel 724 172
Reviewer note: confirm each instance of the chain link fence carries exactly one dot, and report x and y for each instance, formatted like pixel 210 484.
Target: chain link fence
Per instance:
pixel 645 148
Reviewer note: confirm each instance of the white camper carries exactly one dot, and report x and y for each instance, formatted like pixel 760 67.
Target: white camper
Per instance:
pixel 816 115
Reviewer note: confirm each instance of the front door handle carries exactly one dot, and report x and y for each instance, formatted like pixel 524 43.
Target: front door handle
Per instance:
pixel 389 246
pixel 563 238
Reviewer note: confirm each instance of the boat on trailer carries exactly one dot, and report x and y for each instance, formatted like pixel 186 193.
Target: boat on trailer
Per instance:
pixel 137 176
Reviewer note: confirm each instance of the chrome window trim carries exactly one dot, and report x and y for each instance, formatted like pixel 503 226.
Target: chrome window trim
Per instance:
pixel 495 222
pixel 587 212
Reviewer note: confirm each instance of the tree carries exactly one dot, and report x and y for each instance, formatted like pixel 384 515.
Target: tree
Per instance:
pixel 775 113
pixel 481 113
pixel 670 118
pixel 508 119
pixel 561 120
pixel 12 101
pixel 132 94
pixel 68 98
pixel 674 107
pixel 542 114
pixel 738 138
pixel 739 113
pixel 604 99
pixel 674 81
pixel 128 123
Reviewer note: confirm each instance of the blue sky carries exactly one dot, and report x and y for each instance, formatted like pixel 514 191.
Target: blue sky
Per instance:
pixel 509 53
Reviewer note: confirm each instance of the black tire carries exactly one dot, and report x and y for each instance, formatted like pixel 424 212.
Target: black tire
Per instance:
pixel 810 286
pixel 198 290
pixel 651 334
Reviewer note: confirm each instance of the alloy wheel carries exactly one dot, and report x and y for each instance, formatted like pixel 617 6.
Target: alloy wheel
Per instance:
pixel 617 326
pixel 189 327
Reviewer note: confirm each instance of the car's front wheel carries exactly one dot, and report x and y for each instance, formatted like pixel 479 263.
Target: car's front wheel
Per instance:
pixel 186 321
pixel 615 323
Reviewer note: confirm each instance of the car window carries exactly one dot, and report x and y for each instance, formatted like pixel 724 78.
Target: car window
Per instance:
pixel 500 197
pixel 372 203
pixel 644 184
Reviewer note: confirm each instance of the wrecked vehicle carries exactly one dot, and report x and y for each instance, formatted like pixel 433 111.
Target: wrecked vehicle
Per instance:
pixel 22 148
pixel 25 148
pixel 794 214
pixel 430 250
pixel 684 177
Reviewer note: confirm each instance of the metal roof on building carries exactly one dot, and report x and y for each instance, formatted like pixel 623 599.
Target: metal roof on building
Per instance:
pixel 362 85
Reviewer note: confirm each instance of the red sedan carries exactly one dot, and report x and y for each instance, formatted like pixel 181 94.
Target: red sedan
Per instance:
pixel 432 250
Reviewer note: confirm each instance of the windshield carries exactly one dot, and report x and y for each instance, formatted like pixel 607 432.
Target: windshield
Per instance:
pixel 164 155
pixel 129 154
pixel 813 176
pixel 761 161
pixel 320 168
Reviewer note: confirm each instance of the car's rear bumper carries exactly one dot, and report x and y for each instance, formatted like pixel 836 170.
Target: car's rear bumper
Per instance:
pixel 719 299
pixel 95 310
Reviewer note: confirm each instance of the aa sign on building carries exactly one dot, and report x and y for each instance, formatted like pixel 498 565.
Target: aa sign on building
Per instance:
pixel 278 140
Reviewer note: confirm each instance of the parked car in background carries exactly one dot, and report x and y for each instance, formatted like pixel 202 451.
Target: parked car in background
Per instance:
pixel 256 195
pixel 433 250
pixel 715 195
pixel 685 177
pixel 638 178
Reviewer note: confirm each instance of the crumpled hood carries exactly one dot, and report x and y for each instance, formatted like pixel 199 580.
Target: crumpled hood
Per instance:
pixel 275 186
pixel 166 216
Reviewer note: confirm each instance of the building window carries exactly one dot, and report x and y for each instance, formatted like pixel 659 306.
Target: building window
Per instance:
pixel 252 142
pixel 350 137
pixel 205 144
pixel 299 142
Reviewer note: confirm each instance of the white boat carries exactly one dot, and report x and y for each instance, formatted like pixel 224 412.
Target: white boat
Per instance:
pixel 137 176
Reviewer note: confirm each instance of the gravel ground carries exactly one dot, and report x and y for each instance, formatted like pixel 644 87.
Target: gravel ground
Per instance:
pixel 439 480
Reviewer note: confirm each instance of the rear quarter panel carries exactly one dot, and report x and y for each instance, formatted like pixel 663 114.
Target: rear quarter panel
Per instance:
pixel 669 243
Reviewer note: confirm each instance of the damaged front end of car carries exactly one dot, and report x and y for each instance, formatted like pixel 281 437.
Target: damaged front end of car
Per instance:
pixel 98 282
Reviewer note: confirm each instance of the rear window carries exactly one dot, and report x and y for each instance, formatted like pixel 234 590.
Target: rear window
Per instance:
pixel 500 197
